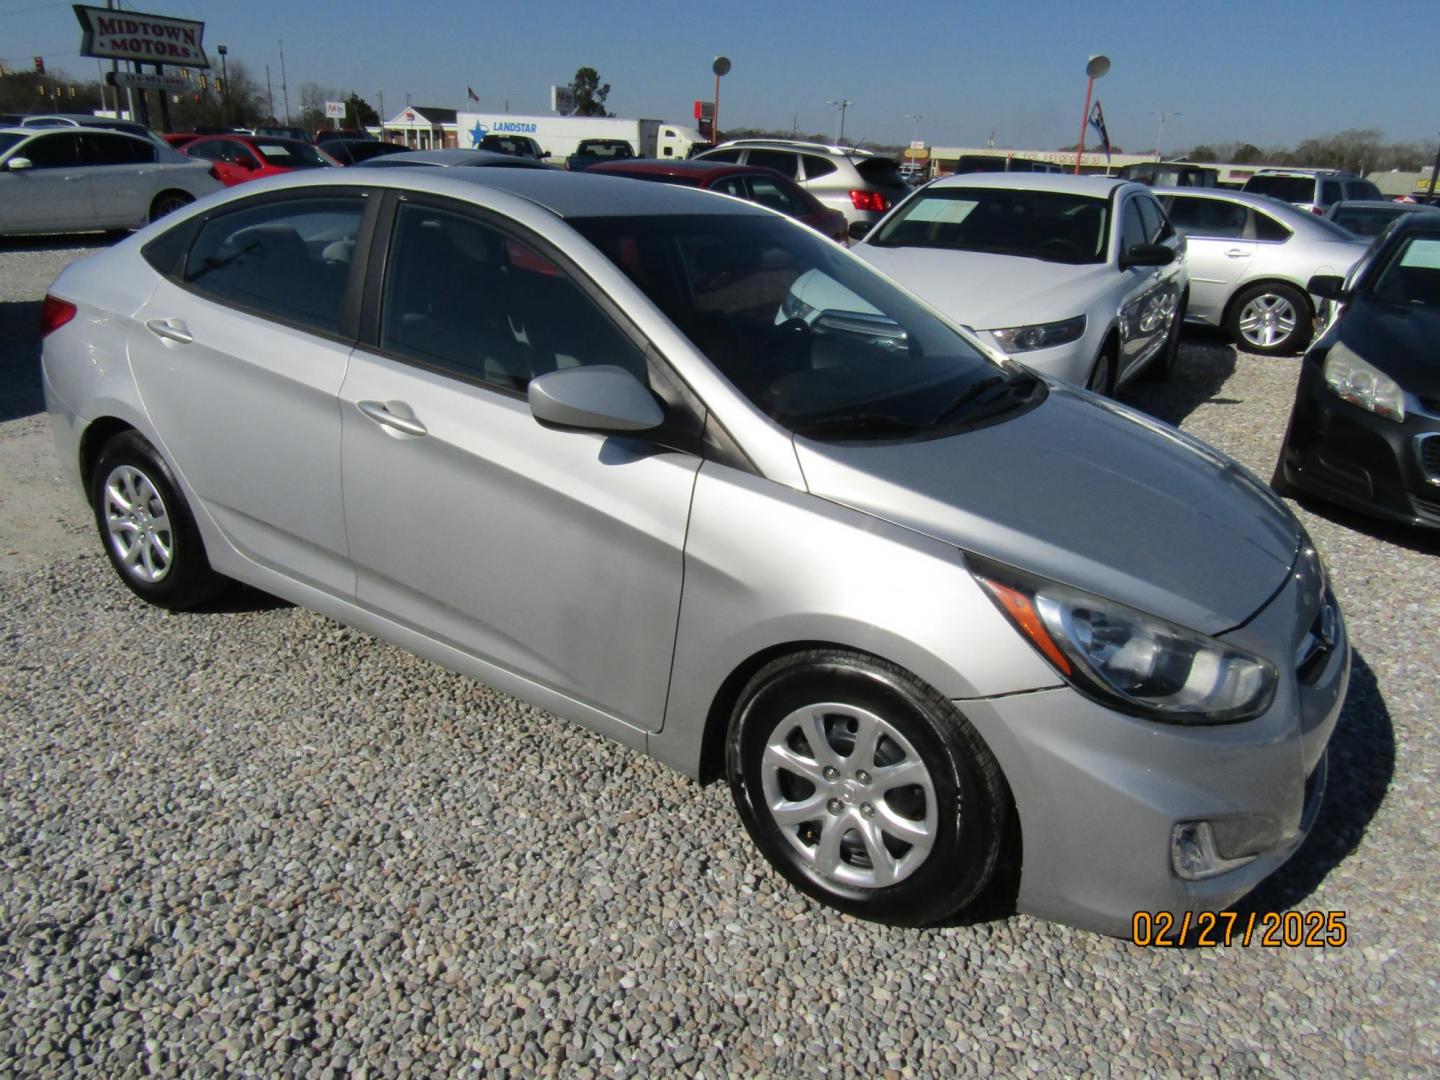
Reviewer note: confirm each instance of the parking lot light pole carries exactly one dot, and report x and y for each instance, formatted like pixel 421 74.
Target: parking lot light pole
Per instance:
pixel 841 106
pixel 1095 68
pixel 1160 131
pixel 225 77
pixel 720 67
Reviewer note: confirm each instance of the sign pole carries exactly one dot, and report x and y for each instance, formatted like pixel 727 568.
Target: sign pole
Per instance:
pixel 1084 119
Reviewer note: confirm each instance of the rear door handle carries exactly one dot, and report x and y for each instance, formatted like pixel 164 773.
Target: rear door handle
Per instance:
pixel 171 330
pixel 1237 253
pixel 381 414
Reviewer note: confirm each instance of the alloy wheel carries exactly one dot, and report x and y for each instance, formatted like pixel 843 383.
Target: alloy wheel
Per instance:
pixel 1268 320
pixel 137 524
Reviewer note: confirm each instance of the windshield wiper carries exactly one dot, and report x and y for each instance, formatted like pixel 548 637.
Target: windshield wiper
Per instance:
pixel 971 395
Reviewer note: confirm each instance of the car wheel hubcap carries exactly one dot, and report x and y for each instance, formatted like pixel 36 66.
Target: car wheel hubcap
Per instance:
pixel 1267 320
pixel 850 794
pixel 138 525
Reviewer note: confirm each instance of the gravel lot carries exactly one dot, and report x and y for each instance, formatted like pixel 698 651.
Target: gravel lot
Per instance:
pixel 252 841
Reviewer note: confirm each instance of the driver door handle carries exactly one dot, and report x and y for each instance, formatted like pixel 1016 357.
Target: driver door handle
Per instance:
pixel 377 411
pixel 171 330
pixel 1237 253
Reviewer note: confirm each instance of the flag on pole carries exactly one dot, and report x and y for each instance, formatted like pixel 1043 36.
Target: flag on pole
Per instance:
pixel 1097 121
pixel 470 93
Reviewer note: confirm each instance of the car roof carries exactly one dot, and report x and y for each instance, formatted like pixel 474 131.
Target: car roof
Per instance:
pixel 797 145
pixel 1097 186
pixel 685 167
pixel 564 194
pixel 456 156
pixel 1383 204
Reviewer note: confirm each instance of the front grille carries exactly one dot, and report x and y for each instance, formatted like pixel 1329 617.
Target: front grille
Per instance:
pixel 1426 508
pixel 1430 457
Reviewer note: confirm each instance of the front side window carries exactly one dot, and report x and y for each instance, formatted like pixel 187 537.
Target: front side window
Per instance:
pixel 1050 225
pixel 770 193
pixel 1412 276
pixel 1132 226
pixel 1329 192
pixel 812 336
pixel 1213 218
pixel 58 151
pixel 1157 229
pixel 731 156
pixel 288 260
pixel 466 299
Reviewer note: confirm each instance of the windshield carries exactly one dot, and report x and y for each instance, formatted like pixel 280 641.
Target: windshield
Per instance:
pixel 1293 189
pixel 812 336
pixel 1412 276
pixel 292 155
pixel 8 139
pixel 1055 226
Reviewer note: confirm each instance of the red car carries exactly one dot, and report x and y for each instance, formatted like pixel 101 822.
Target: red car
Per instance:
pixel 750 182
pixel 180 139
pixel 237 158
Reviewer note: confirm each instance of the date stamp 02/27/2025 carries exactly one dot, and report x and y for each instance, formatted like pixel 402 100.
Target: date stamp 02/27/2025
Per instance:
pixel 1218 929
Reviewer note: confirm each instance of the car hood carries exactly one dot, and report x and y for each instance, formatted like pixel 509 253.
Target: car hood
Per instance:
pixel 987 291
pixel 1088 493
pixel 1399 339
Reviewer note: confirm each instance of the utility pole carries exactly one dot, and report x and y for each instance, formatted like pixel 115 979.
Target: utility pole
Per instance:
pixel 225 89
pixel 269 94
pixel 840 107
pixel 284 86
pixel 1430 195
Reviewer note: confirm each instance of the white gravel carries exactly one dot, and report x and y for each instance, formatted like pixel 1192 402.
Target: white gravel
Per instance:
pixel 252 841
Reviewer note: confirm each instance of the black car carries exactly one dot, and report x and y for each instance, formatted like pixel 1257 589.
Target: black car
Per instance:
pixel 354 151
pixel 1365 428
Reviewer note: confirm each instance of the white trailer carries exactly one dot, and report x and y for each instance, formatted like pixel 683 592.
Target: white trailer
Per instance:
pixel 561 135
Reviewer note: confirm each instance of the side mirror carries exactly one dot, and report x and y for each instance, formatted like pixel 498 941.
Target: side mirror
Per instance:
pixel 599 398
pixel 1147 255
pixel 1327 287
pixel 544 153
pixel 19 164
pixel 858 229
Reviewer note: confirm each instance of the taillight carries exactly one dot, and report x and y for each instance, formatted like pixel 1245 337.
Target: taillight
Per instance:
pixel 1318 210
pixel 870 200
pixel 54 313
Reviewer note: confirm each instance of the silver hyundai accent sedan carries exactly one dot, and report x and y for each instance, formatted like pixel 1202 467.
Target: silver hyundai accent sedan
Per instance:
pixel 920 605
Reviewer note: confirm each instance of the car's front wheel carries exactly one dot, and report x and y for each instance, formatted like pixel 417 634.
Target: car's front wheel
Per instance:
pixel 865 788
pixel 148 531
pixel 1271 319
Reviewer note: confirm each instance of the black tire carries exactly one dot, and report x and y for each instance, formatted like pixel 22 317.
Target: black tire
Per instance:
pixel 965 825
pixel 1163 366
pixel 167 202
pixel 1278 293
pixel 182 578
pixel 1102 374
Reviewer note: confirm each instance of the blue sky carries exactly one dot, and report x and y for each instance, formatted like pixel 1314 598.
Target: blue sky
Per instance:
pixel 1266 71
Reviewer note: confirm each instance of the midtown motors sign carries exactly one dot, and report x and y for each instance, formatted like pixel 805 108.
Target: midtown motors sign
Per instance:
pixel 133 35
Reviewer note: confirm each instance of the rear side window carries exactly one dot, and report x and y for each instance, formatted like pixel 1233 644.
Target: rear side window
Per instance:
pixel 769 193
pixel 1267 228
pixel 780 160
pixel 1296 189
pixel 1329 192
pixel 1208 217
pixel 116 150
pixel 289 260
pixel 817 166
pixel 1361 189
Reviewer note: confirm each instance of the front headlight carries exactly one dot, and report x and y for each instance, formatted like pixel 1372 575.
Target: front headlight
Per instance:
pixel 1015 339
pixel 1352 379
pixel 1128 660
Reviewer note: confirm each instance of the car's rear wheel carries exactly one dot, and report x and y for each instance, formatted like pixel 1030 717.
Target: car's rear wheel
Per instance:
pixel 148 531
pixel 167 202
pixel 1271 319
pixel 865 788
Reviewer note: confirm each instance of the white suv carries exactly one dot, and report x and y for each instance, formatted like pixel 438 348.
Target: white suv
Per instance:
pixel 861 185
pixel 1081 277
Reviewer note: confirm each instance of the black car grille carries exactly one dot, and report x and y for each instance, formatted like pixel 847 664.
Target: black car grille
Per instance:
pixel 1430 457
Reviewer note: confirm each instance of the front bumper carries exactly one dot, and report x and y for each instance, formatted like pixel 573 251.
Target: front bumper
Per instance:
pixel 1098 793
pixel 1343 453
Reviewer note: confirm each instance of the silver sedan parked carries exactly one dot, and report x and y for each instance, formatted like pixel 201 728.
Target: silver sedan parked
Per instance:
pixel 1250 258
pixel 920 605
pixel 69 179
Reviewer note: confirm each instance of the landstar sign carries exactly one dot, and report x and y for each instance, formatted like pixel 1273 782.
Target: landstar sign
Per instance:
pixel 149 39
